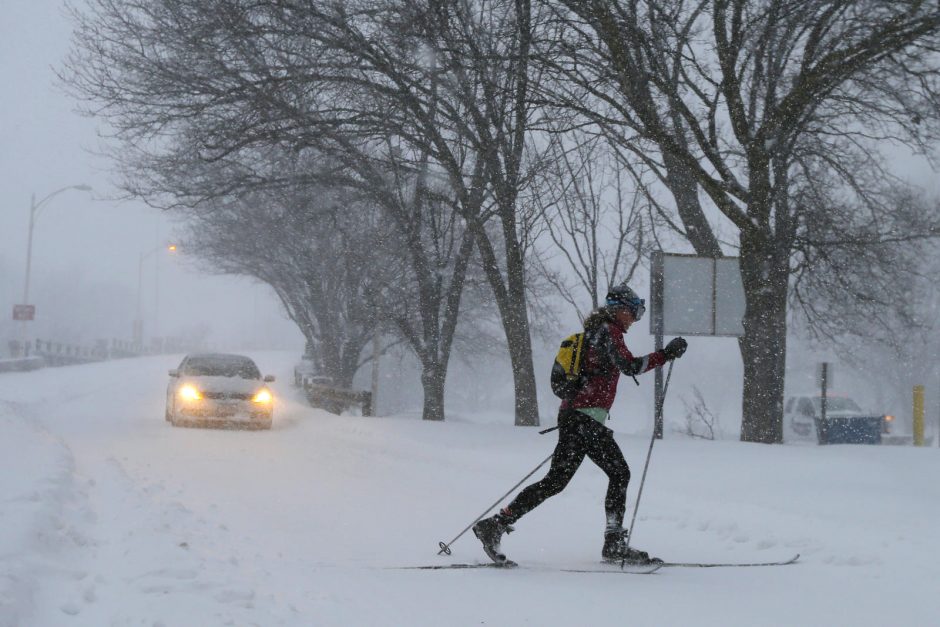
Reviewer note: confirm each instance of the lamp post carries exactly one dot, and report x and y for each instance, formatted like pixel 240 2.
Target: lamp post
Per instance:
pixel 34 208
pixel 139 320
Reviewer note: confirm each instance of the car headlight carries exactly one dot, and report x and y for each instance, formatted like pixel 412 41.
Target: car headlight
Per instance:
pixel 263 397
pixel 190 393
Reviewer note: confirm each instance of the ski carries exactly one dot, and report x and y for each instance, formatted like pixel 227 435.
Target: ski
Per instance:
pixel 629 570
pixel 792 560
pixel 506 564
pixel 647 569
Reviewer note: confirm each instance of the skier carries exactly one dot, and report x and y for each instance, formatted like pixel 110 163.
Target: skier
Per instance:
pixel 581 429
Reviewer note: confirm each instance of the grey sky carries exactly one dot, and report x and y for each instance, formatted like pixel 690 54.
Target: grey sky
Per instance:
pixel 86 252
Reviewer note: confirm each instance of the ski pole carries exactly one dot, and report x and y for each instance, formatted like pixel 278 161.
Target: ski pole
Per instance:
pixel 445 548
pixel 636 507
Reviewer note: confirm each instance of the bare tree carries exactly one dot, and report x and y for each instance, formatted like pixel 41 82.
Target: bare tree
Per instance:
pixel 320 259
pixel 889 319
pixel 191 82
pixel 597 217
pixel 423 301
pixel 751 99
pixel 455 79
pixel 369 247
pixel 856 274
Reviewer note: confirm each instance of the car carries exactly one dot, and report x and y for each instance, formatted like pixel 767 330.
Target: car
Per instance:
pixel 219 389
pixel 846 422
pixel 306 372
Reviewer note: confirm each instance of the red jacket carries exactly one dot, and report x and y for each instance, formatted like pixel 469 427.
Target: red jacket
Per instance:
pixel 606 358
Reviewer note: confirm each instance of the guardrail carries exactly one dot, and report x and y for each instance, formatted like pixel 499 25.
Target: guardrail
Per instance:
pixel 39 353
pixel 61 354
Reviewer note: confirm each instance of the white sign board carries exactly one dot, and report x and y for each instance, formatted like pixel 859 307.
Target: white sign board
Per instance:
pixel 697 295
pixel 729 298
pixel 687 295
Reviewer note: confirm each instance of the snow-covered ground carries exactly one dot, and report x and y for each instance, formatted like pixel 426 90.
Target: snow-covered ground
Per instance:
pixel 109 516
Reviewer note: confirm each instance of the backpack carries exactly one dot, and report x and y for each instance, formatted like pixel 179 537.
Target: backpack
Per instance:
pixel 567 376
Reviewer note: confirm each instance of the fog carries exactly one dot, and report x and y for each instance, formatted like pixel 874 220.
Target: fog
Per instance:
pixel 87 246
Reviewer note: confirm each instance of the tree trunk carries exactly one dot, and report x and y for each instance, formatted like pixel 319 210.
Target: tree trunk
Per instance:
pixel 331 357
pixel 523 370
pixel 432 380
pixel 518 335
pixel 513 312
pixel 350 364
pixel 764 344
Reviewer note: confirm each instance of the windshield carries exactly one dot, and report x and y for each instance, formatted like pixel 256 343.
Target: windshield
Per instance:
pixel 837 404
pixel 221 366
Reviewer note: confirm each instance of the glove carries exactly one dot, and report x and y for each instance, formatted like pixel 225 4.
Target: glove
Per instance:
pixel 675 348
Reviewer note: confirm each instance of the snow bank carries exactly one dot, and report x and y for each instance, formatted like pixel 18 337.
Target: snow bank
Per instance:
pixel 35 487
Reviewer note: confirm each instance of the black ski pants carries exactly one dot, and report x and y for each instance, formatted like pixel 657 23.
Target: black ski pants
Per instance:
pixel 579 435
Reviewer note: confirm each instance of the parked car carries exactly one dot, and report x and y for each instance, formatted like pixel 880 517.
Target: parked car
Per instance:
pixel 217 389
pixel 846 422
pixel 306 372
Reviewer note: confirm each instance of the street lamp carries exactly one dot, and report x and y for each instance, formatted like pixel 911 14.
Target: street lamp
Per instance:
pixel 33 211
pixel 139 320
pixel 34 208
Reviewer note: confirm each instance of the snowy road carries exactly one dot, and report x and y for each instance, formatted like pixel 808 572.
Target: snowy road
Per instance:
pixel 109 516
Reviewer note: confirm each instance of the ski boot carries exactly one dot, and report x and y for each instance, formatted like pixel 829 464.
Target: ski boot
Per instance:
pixel 489 531
pixel 616 551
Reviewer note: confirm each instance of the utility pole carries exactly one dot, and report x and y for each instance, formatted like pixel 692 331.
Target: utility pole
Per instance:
pixel 139 320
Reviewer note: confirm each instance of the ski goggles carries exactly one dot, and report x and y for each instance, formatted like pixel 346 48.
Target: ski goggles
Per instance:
pixel 637 306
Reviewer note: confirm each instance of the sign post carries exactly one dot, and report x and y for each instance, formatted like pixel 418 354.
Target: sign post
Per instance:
pixel 825 378
pixel 656 324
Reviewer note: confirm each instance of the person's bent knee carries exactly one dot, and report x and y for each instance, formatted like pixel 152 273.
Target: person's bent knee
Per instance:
pixel 621 476
pixel 556 485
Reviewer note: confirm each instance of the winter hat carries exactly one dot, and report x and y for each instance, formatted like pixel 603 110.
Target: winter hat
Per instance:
pixel 622 296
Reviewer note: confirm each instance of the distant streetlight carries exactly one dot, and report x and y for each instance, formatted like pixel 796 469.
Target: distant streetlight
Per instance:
pixel 33 212
pixel 139 320
pixel 34 208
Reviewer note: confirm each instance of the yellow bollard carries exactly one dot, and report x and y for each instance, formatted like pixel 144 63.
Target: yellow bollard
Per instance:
pixel 918 415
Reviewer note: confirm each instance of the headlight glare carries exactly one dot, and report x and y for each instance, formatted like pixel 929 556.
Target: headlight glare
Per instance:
pixel 263 396
pixel 190 393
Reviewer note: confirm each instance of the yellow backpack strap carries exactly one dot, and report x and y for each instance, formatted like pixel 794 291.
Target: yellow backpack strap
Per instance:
pixel 577 345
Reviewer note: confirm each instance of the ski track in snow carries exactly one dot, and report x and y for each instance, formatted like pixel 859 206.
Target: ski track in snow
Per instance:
pixel 109 516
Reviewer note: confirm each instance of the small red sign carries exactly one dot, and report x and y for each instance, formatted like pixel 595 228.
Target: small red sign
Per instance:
pixel 24 312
